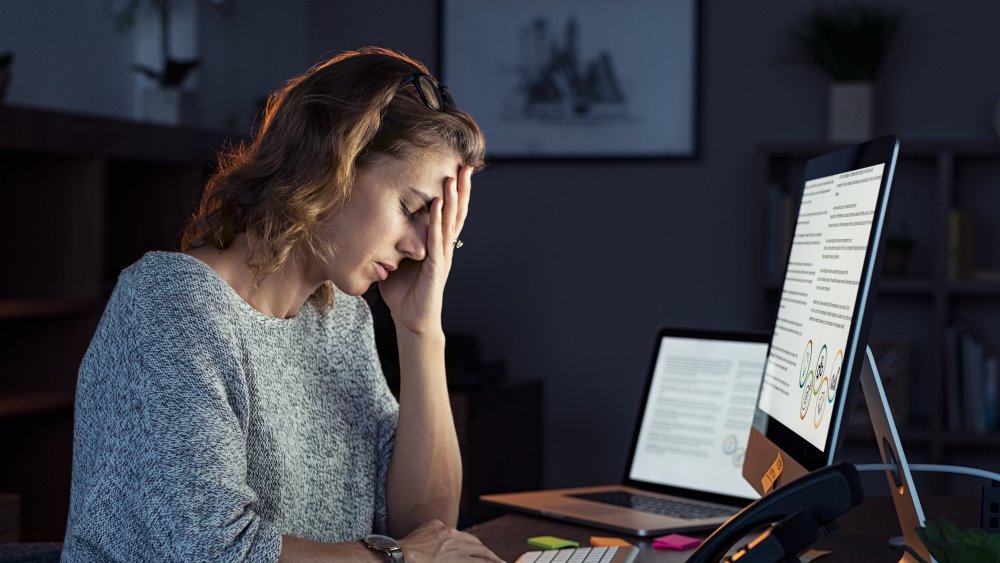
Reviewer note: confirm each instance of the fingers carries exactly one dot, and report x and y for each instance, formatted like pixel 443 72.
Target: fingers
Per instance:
pixel 448 216
pixel 464 195
pixel 456 197
pixel 435 235
pixel 476 548
pixel 434 541
pixel 484 553
pixel 451 210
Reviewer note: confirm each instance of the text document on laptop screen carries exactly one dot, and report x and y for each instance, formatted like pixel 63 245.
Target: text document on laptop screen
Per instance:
pixel 825 266
pixel 697 415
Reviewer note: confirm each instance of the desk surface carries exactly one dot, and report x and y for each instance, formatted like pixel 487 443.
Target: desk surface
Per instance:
pixel 862 536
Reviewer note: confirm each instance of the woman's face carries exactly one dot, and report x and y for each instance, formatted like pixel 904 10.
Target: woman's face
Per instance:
pixel 385 220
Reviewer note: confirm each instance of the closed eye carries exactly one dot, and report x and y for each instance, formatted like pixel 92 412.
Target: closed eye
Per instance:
pixel 414 196
pixel 411 213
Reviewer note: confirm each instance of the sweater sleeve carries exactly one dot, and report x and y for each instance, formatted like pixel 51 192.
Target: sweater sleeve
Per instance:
pixel 169 481
pixel 386 413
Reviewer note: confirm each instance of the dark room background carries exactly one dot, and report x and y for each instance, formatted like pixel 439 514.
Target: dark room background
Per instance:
pixel 569 266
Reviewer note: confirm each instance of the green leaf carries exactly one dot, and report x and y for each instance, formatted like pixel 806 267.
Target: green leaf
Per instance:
pixel 993 545
pixel 848 42
pixel 931 537
pixel 148 72
pixel 974 536
pixel 949 544
pixel 176 70
pixel 933 533
pixel 968 554
pixel 950 531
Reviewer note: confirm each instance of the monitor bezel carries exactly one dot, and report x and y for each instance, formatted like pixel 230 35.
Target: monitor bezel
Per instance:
pixel 755 337
pixel 884 150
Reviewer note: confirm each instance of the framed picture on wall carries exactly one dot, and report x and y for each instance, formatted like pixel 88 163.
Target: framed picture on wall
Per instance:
pixel 575 78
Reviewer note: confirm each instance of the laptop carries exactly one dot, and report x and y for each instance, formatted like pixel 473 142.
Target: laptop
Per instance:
pixel 685 461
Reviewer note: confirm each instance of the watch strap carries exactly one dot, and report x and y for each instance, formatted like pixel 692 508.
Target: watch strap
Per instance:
pixel 376 542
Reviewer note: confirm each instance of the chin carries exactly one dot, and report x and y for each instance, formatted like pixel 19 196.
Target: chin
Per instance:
pixel 354 288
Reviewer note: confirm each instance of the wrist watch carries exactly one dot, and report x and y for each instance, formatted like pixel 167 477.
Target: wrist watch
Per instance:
pixel 384 544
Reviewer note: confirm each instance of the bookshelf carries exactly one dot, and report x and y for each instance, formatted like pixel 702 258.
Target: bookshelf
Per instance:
pixel 83 197
pixel 946 274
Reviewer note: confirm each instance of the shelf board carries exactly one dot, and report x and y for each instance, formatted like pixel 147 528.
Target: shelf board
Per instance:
pixel 923 436
pixel 967 440
pixel 43 132
pixel 858 433
pixel 18 403
pixel 31 308
pixel 905 286
pixel 974 287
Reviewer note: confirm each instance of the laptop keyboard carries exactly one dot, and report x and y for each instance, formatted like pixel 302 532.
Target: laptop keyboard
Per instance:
pixel 581 555
pixel 657 505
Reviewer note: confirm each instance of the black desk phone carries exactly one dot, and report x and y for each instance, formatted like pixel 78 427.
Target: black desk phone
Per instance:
pixel 792 518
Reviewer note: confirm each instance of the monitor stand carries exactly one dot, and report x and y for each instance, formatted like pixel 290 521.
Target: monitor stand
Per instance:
pixel 904 494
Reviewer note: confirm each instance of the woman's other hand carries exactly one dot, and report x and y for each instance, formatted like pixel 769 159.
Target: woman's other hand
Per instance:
pixel 433 541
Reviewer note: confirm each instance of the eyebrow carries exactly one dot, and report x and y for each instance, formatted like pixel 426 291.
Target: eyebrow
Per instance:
pixel 427 199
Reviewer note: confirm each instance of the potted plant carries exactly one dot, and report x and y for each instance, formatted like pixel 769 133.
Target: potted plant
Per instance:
pixel 6 61
pixel 847 43
pixel 949 544
pixel 168 102
pixel 174 71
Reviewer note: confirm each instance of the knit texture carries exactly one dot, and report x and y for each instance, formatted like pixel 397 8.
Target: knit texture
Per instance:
pixel 205 429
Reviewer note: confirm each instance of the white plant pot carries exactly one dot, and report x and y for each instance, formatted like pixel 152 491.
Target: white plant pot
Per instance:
pixel 169 106
pixel 851 111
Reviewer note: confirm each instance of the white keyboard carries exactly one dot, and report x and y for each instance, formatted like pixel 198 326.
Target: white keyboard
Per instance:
pixel 582 555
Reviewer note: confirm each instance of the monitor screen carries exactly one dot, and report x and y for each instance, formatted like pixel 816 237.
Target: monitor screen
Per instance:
pixel 824 312
pixel 825 269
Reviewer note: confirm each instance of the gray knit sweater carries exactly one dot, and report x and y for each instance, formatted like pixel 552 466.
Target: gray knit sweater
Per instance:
pixel 205 430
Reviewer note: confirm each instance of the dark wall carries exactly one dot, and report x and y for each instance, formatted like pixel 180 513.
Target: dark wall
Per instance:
pixel 569 267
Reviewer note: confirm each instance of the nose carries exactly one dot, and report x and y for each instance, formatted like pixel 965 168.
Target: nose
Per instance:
pixel 414 243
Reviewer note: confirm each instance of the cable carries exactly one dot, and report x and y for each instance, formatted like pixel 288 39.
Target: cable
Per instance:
pixel 933 467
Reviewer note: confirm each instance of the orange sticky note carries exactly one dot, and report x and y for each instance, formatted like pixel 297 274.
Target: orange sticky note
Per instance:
pixel 599 541
pixel 772 475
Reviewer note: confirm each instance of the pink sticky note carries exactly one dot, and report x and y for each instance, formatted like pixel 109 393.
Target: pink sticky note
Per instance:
pixel 675 541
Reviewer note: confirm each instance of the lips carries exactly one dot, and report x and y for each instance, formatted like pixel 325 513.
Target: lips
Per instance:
pixel 383 270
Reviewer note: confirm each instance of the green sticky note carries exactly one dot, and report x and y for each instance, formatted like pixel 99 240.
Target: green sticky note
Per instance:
pixel 551 542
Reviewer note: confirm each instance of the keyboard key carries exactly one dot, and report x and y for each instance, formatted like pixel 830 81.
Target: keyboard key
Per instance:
pixel 687 510
pixel 580 555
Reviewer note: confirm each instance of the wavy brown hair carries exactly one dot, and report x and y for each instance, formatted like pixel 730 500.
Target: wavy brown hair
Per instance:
pixel 300 165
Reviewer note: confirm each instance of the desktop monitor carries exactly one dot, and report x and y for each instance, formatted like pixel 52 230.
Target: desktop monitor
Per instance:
pixel 824 312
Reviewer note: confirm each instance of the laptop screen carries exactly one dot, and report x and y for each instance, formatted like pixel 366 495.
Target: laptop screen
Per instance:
pixel 697 413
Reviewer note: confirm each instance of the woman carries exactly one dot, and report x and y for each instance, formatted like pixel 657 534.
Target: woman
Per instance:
pixel 231 405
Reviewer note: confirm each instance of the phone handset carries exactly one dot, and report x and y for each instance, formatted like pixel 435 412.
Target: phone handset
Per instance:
pixel 794 514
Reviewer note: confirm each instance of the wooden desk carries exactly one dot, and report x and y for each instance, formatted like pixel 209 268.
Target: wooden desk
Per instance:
pixel 10 518
pixel 862 536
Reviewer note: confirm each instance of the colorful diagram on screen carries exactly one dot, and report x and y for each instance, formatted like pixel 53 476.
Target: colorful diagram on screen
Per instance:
pixel 818 380
pixel 835 373
pixel 732 448
pixel 807 355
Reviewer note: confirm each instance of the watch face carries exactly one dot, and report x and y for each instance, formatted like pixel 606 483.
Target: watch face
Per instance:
pixel 382 542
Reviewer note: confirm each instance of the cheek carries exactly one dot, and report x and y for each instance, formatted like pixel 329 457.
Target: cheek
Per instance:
pixel 375 236
pixel 369 230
